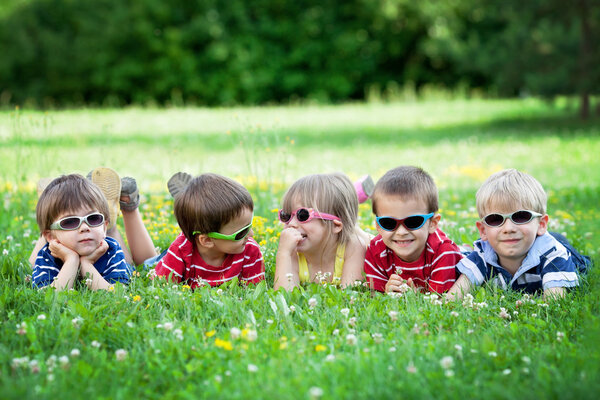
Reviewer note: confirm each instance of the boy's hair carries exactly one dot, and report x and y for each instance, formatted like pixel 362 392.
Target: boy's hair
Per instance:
pixel 208 202
pixel 407 182
pixel 328 193
pixel 510 189
pixel 69 193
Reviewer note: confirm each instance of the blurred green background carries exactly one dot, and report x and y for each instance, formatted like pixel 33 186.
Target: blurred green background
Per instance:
pixel 64 53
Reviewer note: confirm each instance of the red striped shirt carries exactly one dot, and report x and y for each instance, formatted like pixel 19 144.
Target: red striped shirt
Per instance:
pixel 434 270
pixel 184 264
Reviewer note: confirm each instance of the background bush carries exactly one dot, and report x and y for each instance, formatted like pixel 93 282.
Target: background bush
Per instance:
pixel 207 52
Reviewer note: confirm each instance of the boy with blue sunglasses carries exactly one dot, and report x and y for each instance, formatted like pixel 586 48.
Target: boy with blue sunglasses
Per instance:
pixel 410 250
pixel 516 250
pixel 216 245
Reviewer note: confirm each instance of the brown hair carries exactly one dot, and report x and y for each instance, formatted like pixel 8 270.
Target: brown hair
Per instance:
pixel 69 193
pixel 410 182
pixel 329 193
pixel 208 202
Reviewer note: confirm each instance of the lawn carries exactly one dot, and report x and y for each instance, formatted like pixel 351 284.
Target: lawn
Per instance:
pixel 151 340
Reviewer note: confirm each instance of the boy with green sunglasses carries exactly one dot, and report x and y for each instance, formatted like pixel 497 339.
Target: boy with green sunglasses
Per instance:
pixel 216 245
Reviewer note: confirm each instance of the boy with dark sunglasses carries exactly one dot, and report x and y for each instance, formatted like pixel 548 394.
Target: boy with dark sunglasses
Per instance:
pixel 516 250
pixel 215 246
pixel 410 250
pixel 73 215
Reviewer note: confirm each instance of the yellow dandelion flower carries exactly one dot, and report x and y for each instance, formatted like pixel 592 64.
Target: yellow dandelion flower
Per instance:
pixel 320 347
pixel 210 333
pixel 223 344
pixel 283 345
pixel 137 297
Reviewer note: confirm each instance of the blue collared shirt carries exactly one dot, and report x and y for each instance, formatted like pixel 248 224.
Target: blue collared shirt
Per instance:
pixel 548 264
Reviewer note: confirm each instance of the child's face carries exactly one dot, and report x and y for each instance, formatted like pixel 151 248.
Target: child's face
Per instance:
pixel 83 240
pixel 232 246
pixel 316 233
pixel 512 241
pixel 406 244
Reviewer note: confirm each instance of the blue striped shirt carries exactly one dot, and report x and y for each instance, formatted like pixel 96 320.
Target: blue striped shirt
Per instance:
pixel 111 265
pixel 548 264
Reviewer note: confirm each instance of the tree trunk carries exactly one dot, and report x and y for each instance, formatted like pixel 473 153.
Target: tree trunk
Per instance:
pixel 584 59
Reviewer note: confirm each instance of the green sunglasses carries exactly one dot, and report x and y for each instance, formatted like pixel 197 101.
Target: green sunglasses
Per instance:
pixel 235 236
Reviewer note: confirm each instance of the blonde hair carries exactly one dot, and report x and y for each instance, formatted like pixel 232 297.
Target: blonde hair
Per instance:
pixel 328 193
pixel 208 202
pixel 407 182
pixel 511 189
pixel 69 193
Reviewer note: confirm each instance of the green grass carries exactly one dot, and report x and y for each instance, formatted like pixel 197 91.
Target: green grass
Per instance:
pixel 541 351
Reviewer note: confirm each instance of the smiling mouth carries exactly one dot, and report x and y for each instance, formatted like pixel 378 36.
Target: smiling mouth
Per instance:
pixel 404 242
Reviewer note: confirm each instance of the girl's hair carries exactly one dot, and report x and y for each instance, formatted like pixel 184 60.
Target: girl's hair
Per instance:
pixel 69 193
pixel 510 189
pixel 407 182
pixel 208 202
pixel 328 193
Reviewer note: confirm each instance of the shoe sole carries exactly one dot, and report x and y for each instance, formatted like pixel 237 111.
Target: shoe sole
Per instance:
pixel 110 184
pixel 178 182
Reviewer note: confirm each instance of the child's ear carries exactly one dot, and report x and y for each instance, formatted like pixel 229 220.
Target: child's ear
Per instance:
pixel 48 235
pixel 481 229
pixel 337 226
pixel 204 241
pixel 543 227
pixel 434 222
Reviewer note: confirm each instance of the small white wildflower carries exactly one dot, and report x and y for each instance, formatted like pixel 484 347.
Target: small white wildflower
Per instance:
pixel 447 362
pixel 458 347
pixel 330 358
pixel 41 317
pixel 121 354
pixel 218 378
pixel 345 311
pixel 178 333
pixel 50 377
pixel 351 339
pixel 503 314
pixel 228 373
pixel 9 238
pixel 252 368
pixel 96 344
pixel 454 314
pixel 393 315
pixel 534 315
pixel 559 336
pixel 525 370
pixel 377 338
pixel 219 291
pixel 449 373
pixel 526 360
pixel 269 321
pixel 5 252
pixel 492 354
pixel 410 368
pixel 312 302
pixel 470 331
pixel 507 371
pixel 352 321
pixel 335 332
pixel 392 349
pixel 167 326
pixel 315 392
pixel 75 353
pixel 64 361
pixel 292 308
pixel 235 333
pixel 34 366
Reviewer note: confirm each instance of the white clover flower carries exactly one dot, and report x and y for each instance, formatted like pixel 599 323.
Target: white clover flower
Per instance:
pixel 64 361
pixel 312 302
pixel 447 362
pixel 507 371
pixel 269 321
pixel 41 317
pixel 345 311
pixel 34 366
pixel 315 392
pixel 218 378
pixel 503 314
pixel 252 368
pixel 351 339
pixel 75 353
pixel 330 358
pixel 377 338
pixel 392 349
pixel 458 347
pixel 178 333
pixel 167 326
pixel 352 321
pixel 292 308
pixel 525 370
pixel 449 373
pixel 251 335
pixel 96 344
pixel 410 368
pixel 492 354
pixel 130 324
pixel 5 252
pixel 454 314
pixel 219 291
pixel 51 361
pixel 393 315
pixel 526 360
pixel 335 332
pixel 121 354
pixel 560 336
pixel 235 333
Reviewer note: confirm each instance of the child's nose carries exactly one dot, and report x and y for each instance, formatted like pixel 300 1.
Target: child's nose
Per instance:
pixel 84 227
pixel 401 230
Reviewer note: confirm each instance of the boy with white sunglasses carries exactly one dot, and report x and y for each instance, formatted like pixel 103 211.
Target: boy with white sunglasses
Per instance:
pixel 516 250
pixel 410 250
pixel 73 215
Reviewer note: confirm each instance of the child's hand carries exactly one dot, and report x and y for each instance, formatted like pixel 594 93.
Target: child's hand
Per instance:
pixel 60 251
pixel 96 254
pixel 289 239
pixel 395 284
